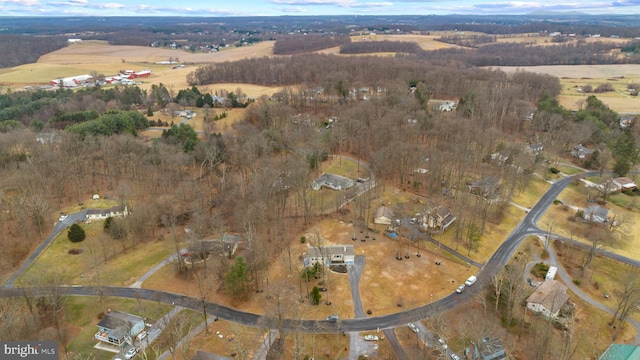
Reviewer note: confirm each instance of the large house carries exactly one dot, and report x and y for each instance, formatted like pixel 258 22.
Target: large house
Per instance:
pixel 331 181
pixel 439 218
pixel 330 255
pixel 118 328
pixel 624 184
pixel 102 214
pixel 485 186
pixel 383 216
pixel 548 299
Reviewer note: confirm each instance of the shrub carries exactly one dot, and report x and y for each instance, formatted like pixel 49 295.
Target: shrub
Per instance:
pixel 554 170
pixel 577 282
pixel 303 239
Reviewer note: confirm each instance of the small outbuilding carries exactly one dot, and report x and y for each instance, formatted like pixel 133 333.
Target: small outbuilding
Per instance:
pixel 96 197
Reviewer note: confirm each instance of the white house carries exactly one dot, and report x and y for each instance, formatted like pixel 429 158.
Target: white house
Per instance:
pixel 596 214
pixel 330 255
pixel 101 214
pixel 548 299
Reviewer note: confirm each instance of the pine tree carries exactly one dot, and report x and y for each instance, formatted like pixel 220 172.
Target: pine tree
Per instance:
pixel 76 233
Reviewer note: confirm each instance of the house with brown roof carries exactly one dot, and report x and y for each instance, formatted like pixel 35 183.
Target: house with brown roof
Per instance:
pixel 548 299
pixel 383 216
pixel 624 184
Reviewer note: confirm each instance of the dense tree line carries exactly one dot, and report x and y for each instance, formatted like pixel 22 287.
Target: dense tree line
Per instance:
pixel 468 40
pixel 515 54
pixel 366 47
pixel 110 123
pixel 24 49
pixel 299 44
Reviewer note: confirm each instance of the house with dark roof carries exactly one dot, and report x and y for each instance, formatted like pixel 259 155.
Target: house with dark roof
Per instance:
pixel 486 186
pixel 548 299
pixel 118 328
pixel 102 214
pixel 438 218
pixel 621 352
pixel 332 181
pixel 535 149
pixel 329 255
pixel 487 349
pixel 581 152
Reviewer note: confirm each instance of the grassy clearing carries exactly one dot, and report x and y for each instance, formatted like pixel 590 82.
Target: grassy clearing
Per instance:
pixel 530 196
pixel 342 166
pixel 241 339
pixel 119 269
pixel 569 170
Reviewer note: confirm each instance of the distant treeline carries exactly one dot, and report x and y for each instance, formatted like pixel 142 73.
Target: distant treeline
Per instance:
pixel 294 45
pixel 367 47
pixel 468 40
pixel 24 49
pixel 515 54
pixel 334 73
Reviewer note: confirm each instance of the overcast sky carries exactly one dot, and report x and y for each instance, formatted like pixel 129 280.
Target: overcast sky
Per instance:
pixel 306 7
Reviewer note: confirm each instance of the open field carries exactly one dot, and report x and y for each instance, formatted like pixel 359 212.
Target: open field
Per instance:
pixel 575 76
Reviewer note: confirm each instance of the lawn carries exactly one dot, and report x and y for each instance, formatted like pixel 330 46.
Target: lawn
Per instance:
pixel 121 268
pixel 532 193
pixel 81 314
pixel 343 166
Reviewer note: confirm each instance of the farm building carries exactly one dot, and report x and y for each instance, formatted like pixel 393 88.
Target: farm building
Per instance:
pixel 73 81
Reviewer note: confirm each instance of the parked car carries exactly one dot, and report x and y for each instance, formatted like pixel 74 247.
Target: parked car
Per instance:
pixel 398 222
pixel 63 217
pixel 460 289
pixel 371 338
pixel 413 221
pixel 131 353
pixel 455 357
pixel 333 318
pixel 470 281
pixel 532 282
pixel 413 327
pixel 141 335
pixel 443 343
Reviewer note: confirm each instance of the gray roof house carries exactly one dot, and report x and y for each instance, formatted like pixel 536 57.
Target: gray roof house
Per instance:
pixel 535 149
pixel 548 299
pixel 102 214
pixel 335 182
pixel 487 349
pixel 330 255
pixel 486 186
pixel 117 328
pixel 383 216
pixel 438 218
pixel 581 152
pixel 596 214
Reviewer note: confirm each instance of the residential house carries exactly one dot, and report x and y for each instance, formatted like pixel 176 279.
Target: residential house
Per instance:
pixel 624 184
pixel 581 152
pixel 102 214
pixel 502 156
pixel 626 121
pixel 535 149
pixel 486 186
pixel 548 299
pixel 487 349
pixel 596 214
pixel 47 138
pixel 330 255
pixel 200 249
pixel 438 218
pixel 118 328
pixel 335 182
pixel 621 352
pixel 383 216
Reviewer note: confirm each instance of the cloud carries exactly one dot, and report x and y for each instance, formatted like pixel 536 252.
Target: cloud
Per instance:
pixel 293 9
pixel 21 2
pixel 314 2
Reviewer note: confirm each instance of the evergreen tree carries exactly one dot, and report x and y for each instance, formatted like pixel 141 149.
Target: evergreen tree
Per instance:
pixel 315 296
pixel 76 233
pixel 236 278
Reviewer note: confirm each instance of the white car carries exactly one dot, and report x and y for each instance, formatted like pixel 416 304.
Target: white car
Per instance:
pixel 131 353
pixel 443 343
pixel 371 338
pixel 63 217
pixel 141 335
pixel 455 357
pixel 460 289
pixel 470 281
pixel 413 327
